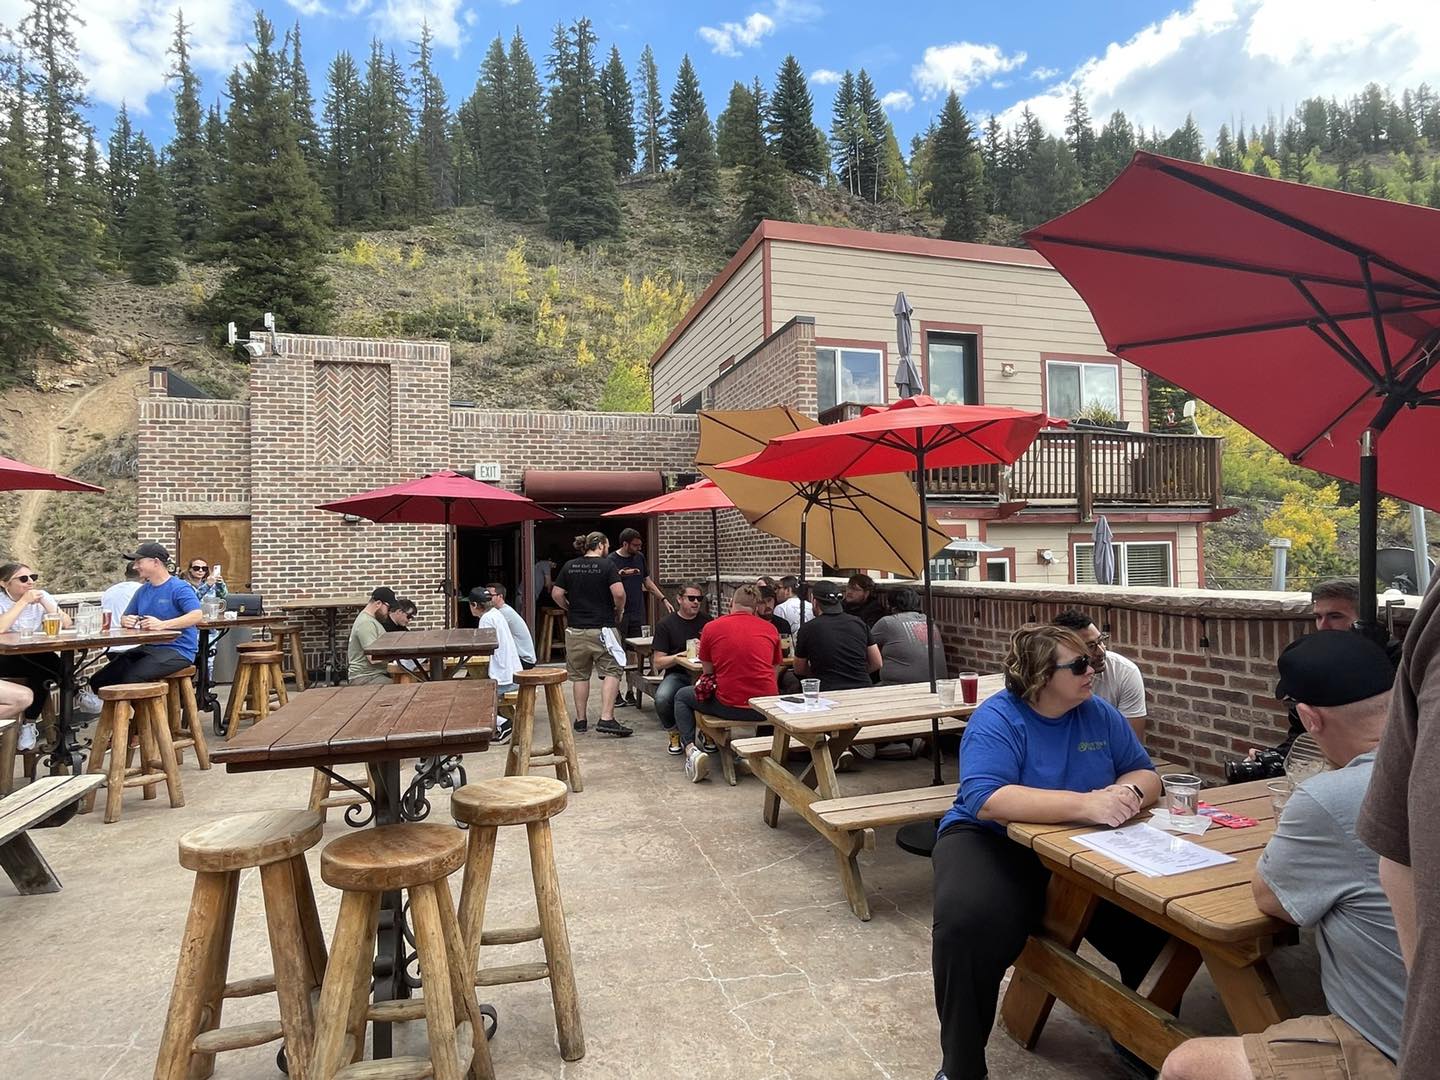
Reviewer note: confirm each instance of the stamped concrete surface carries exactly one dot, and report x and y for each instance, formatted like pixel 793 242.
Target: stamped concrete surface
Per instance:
pixel 705 944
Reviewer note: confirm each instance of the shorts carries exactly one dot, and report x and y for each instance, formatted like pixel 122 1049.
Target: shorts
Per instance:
pixel 1315 1048
pixel 586 652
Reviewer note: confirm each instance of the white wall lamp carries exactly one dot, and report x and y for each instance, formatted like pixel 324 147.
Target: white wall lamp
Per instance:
pixel 1045 556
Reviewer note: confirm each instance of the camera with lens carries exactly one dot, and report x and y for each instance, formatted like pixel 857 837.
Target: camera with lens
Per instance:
pixel 1266 765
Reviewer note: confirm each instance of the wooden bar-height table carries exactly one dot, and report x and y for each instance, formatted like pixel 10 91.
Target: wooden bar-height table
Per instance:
pixel 377 725
pixel 331 606
pixel 72 646
pixel 205 697
pixel 1210 915
pixel 432 648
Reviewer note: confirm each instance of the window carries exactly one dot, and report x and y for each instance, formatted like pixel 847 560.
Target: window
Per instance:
pixel 997 569
pixel 849 375
pixel 1073 387
pixel 691 406
pixel 1138 564
pixel 952 368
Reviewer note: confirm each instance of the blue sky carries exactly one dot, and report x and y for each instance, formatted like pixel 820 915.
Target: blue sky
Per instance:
pixel 1221 59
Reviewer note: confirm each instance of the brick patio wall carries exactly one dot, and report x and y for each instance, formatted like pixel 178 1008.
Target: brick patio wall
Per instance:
pixel 194 460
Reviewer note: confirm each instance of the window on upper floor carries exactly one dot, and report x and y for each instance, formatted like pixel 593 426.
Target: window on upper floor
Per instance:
pixel 845 374
pixel 952 367
pixel 1073 386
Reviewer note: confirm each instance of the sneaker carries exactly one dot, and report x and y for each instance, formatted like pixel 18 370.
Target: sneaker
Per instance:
pixel 675 746
pixel 697 765
pixel 845 762
pixel 865 750
pixel 88 702
pixel 29 736
pixel 624 702
pixel 611 726
pixel 704 742
pixel 582 725
pixel 503 729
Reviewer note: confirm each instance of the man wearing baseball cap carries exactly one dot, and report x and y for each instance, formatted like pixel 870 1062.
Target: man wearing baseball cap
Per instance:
pixel 835 647
pixel 1315 872
pixel 368 626
pixel 163 602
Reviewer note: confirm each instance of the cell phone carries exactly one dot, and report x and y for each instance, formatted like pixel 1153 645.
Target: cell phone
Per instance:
pixel 794 699
pixel 215 570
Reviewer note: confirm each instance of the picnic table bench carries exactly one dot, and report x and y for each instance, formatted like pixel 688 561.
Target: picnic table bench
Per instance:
pixel 38 805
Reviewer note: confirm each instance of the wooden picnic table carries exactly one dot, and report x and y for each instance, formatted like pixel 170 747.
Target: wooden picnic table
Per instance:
pixel 1210 915
pixel 876 713
pixel 378 725
pixel 431 648
pixel 330 606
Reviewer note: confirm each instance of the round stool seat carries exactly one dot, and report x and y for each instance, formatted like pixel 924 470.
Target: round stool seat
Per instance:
pixel 244 840
pixel 541 676
pixel 134 691
pixel 183 673
pixel 392 857
pixel 509 800
pixel 260 657
pixel 259 645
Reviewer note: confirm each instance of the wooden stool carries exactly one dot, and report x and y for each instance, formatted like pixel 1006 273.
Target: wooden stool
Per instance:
pixel 185 726
pixel 141 707
pixel 551 620
pixel 532 801
pixel 285 637
pixel 275 841
pixel 257 677
pixel 322 786
pixel 560 754
pixel 399 673
pixel 254 645
pixel 417 858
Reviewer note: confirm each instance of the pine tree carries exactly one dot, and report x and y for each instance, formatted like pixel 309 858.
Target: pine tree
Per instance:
pixel 847 135
pixel 150 245
pixel 619 105
pixel 956 173
pixel 654 153
pixel 581 197
pixel 122 173
pixel 1114 147
pixel 872 149
pixel 1186 141
pixel 344 139
pixel 763 183
pixel 386 127
pixel 216 152
pixel 697 179
pixel 1225 155
pixel 732 126
pixel 524 196
pixel 997 178
pixel 791 123
pixel 432 113
pixel 34 299
pixel 484 115
pixel 273 219
pixel 302 101
pixel 187 165
pixel 94 196
pixel 1080 136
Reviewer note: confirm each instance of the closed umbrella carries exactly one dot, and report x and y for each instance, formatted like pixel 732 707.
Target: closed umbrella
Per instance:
pixel 442 498
pixel 701 495
pixel 1102 555
pixel 907 379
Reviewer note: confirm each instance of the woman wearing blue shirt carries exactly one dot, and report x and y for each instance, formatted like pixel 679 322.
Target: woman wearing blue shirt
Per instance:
pixel 1046 750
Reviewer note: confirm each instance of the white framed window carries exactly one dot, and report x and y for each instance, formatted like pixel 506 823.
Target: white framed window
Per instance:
pixel 1072 387
pixel 1138 563
pixel 846 374
pixel 997 569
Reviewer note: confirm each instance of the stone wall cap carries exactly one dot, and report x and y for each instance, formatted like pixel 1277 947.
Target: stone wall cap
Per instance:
pixel 1282 605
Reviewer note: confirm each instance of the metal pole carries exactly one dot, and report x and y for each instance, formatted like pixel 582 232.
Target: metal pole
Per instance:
pixel 936 777
pixel 1279 549
pixel 715 539
pixel 804 525
pixel 1369 509
pixel 1422 549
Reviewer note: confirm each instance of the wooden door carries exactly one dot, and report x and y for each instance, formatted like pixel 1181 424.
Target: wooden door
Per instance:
pixel 218 540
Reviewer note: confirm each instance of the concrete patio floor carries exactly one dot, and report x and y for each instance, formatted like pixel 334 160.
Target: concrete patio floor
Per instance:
pixel 705 944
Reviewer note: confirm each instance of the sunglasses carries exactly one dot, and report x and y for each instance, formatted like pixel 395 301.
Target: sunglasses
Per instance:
pixel 692 599
pixel 1101 642
pixel 27 577
pixel 1076 667
pixel 202 569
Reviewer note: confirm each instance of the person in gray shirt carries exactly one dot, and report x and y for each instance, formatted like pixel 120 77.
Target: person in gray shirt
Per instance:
pixel 901 637
pixel 1315 872
pixel 524 642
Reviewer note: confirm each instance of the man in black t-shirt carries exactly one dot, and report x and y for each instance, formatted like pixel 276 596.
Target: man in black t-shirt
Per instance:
pixel 635 576
pixel 835 647
pixel 671 636
pixel 861 599
pixel 589 590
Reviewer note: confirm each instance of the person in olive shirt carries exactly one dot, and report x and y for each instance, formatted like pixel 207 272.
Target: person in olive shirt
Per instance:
pixel 835 647
pixel 588 589
pixel 369 625
pixel 671 637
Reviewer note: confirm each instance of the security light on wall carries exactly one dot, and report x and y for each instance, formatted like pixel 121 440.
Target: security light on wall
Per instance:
pixel 350 519
pixel 1045 556
pixel 270 321
pixel 231 335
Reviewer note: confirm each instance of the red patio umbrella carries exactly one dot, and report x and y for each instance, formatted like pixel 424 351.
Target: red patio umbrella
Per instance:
pixel 1310 316
pixel 442 498
pixel 701 495
pixel 17 476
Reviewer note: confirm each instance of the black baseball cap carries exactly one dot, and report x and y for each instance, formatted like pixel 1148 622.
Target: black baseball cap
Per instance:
pixel 384 595
pixel 827 594
pixel 1333 667
pixel 148 551
pixel 480 596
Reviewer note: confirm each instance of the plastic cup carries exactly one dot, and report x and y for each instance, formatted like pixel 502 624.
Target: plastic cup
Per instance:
pixel 969 687
pixel 51 624
pixel 946 689
pixel 1280 792
pixel 1182 796
pixel 646 631
pixel 105 617
pixel 811 689
pixel 692 648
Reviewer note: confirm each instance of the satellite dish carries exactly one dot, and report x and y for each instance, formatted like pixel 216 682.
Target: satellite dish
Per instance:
pixel 1396 568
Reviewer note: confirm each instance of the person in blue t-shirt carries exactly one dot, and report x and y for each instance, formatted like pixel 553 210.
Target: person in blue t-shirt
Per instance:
pixel 1044 749
pixel 163 602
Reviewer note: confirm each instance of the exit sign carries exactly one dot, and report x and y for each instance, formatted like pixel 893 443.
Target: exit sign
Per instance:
pixel 488 471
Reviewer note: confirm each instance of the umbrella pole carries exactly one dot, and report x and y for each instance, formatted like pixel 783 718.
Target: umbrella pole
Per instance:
pixel 715 540
pixel 1369 512
pixel 804 524
pixel 936 777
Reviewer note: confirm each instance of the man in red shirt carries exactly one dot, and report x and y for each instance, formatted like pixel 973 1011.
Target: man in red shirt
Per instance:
pixel 742 652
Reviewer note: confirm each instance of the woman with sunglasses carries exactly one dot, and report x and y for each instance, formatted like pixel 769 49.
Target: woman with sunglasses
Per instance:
pixel 23 606
pixel 205 581
pixel 1044 749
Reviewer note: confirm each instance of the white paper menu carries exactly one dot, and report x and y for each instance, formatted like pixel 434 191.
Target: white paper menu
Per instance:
pixel 1152 852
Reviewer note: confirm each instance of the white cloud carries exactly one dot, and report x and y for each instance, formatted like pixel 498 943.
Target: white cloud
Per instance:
pixel 897 101
pixel 401 19
pixel 960 66
pixel 309 7
pixel 1255 55
pixel 728 39
pixel 1040 74
pixel 357 7
pixel 123 44
pixel 824 77
pixel 509 3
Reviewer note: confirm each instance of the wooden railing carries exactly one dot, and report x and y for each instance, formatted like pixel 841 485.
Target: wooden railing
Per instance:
pixel 1088 467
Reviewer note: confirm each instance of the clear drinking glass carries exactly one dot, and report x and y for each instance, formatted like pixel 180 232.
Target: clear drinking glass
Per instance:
pixel 1182 796
pixel 946 689
pixel 811 689
pixel 51 623
pixel 1280 792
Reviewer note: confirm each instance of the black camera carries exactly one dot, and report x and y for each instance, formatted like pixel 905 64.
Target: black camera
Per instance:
pixel 1266 765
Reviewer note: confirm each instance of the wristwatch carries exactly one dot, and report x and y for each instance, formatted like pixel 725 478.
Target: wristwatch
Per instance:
pixel 1139 795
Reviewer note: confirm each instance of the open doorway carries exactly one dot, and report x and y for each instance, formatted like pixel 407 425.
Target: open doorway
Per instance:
pixel 555 540
pixel 483 556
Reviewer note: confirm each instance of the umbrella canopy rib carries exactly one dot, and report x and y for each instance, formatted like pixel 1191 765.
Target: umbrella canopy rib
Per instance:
pixel 1348 350
pixel 1268 327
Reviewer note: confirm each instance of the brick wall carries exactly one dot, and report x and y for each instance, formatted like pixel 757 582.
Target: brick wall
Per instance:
pixel 194 460
pixel 1208 657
